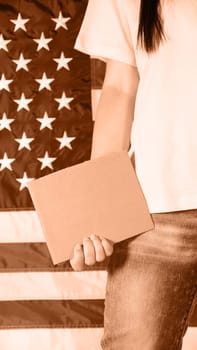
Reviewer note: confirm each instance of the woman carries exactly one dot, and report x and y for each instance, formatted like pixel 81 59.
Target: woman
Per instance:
pixel 148 99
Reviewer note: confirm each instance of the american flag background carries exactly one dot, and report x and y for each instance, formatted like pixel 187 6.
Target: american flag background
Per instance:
pixel 48 98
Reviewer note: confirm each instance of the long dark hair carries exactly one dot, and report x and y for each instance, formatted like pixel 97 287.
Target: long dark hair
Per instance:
pixel 150 29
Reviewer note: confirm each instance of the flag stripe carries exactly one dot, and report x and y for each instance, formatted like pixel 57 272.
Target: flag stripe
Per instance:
pixel 51 339
pixel 98 69
pixel 50 285
pixel 20 226
pixel 190 339
pixel 51 313
pixel 34 256
pixel 67 339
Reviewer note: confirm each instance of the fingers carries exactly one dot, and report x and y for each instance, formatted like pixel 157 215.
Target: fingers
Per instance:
pixel 94 249
pixel 107 245
pixel 99 249
pixel 89 251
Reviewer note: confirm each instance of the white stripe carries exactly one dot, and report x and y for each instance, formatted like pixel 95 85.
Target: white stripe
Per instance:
pixel 53 285
pixel 51 339
pixel 67 339
pixel 20 226
pixel 190 339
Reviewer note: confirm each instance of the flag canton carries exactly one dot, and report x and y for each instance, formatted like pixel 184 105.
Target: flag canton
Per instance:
pixel 45 95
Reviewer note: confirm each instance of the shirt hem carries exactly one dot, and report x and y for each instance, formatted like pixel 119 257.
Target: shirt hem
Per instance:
pixel 104 53
pixel 178 203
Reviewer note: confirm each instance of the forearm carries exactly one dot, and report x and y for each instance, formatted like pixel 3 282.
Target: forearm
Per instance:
pixel 113 122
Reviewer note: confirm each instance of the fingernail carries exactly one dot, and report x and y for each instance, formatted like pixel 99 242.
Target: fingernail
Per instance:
pixel 86 239
pixel 93 236
pixel 78 246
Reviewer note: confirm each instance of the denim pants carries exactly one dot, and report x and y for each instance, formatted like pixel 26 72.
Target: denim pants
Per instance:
pixel 151 285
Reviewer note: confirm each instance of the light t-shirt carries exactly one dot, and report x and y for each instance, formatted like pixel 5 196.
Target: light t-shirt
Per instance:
pixel 164 130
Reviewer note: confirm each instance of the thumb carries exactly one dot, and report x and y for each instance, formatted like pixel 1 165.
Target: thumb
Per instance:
pixel 78 260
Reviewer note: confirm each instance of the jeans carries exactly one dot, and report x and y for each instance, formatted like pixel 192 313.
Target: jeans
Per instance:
pixel 151 285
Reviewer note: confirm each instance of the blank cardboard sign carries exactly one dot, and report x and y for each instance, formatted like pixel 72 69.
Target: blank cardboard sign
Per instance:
pixel 101 196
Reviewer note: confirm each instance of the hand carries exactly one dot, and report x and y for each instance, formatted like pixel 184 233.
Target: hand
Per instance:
pixel 94 249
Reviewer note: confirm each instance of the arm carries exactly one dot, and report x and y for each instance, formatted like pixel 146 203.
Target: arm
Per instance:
pixel 114 114
pixel 112 129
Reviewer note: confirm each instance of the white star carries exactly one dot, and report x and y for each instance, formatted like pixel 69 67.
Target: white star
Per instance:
pixel 65 140
pixel 24 142
pixel 64 101
pixel 45 121
pixel 46 161
pixel 23 102
pixel 5 122
pixel 42 42
pixel 6 162
pixel 62 62
pixel 44 82
pixel 24 181
pixel 19 23
pixel 21 63
pixel 4 83
pixel 61 21
pixel 3 43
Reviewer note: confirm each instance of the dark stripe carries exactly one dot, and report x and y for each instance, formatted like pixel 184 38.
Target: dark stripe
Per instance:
pixel 98 68
pixel 24 257
pixel 34 257
pixel 51 314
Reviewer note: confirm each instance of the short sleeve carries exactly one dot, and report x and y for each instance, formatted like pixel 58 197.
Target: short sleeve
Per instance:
pixel 104 32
